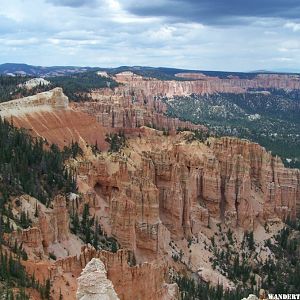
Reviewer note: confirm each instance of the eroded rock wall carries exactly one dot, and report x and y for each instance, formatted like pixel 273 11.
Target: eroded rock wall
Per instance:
pixel 124 109
pixel 160 189
pixel 50 226
pixel 201 84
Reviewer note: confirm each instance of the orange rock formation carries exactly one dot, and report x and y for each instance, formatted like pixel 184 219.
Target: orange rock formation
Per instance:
pixel 202 84
pixel 48 115
pixel 157 189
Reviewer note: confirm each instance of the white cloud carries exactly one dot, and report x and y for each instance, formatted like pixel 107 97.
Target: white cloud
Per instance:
pixel 104 33
pixel 292 25
pixel 282 59
pixel 19 42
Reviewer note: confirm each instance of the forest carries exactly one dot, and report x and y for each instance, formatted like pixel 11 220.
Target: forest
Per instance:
pixel 75 86
pixel 30 166
pixel 270 118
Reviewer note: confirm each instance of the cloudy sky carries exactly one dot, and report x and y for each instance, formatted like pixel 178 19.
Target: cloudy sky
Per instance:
pixel 199 34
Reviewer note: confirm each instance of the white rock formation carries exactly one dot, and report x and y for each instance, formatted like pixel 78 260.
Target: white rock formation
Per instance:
pixel 172 292
pixel 103 74
pixel 93 283
pixel 34 82
pixel 46 101
pixel 251 297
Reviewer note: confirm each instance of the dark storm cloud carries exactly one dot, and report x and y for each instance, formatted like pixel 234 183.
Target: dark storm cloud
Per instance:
pixel 214 12
pixel 73 3
pixel 156 32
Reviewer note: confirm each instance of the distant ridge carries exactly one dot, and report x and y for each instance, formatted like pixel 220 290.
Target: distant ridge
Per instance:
pixel 279 71
pixel 163 73
pixel 24 69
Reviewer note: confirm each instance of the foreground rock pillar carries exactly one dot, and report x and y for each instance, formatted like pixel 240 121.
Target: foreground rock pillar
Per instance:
pixel 93 283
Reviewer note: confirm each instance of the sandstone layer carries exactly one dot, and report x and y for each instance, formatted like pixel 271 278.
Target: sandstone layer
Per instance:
pixel 123 108
pixel 160 189
pixel 202 84
pixel 49 115
pixel 47 101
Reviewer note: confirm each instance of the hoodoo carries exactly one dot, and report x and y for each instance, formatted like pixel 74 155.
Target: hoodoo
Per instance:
pixel 93 283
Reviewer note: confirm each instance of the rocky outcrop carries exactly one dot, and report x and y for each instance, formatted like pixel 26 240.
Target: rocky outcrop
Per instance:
pixel 34 82
pixel 125 109
pixel 202 84
pixel 50 226
pixel 48 115
pixel 54 224
pixel 144 281
pixel 247 169
pixel 47 101
pixel 93 283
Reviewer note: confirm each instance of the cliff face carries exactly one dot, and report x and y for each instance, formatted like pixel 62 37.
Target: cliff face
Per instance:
pixel 163 189
pixel 201 84
pixel 50 226
pixel 48 115
pixel 47 101
pixel 124 108
pixel 278 186
pixel 105 272
pixel 235 181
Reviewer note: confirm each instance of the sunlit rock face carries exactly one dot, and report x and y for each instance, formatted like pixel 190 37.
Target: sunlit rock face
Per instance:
pixel 93 283
pixel 50 116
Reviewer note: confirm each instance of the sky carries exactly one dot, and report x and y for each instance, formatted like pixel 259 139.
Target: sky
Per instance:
pixel 232 35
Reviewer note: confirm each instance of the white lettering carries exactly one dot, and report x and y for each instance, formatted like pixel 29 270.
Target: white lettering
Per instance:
pixel 283 296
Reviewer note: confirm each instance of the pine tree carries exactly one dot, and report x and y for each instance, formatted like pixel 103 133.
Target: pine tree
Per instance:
pixel 36 213
pixel 47 289
pixel 114 246
pixel 75 223
pixel 96 235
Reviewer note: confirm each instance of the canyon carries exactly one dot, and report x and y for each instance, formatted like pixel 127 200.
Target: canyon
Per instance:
pixel 161 196
pixel 138 100
pixel 203 84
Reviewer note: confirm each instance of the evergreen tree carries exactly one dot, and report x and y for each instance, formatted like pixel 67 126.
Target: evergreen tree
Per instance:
pixel 47 289
pixel 36 213
pixel 75 223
